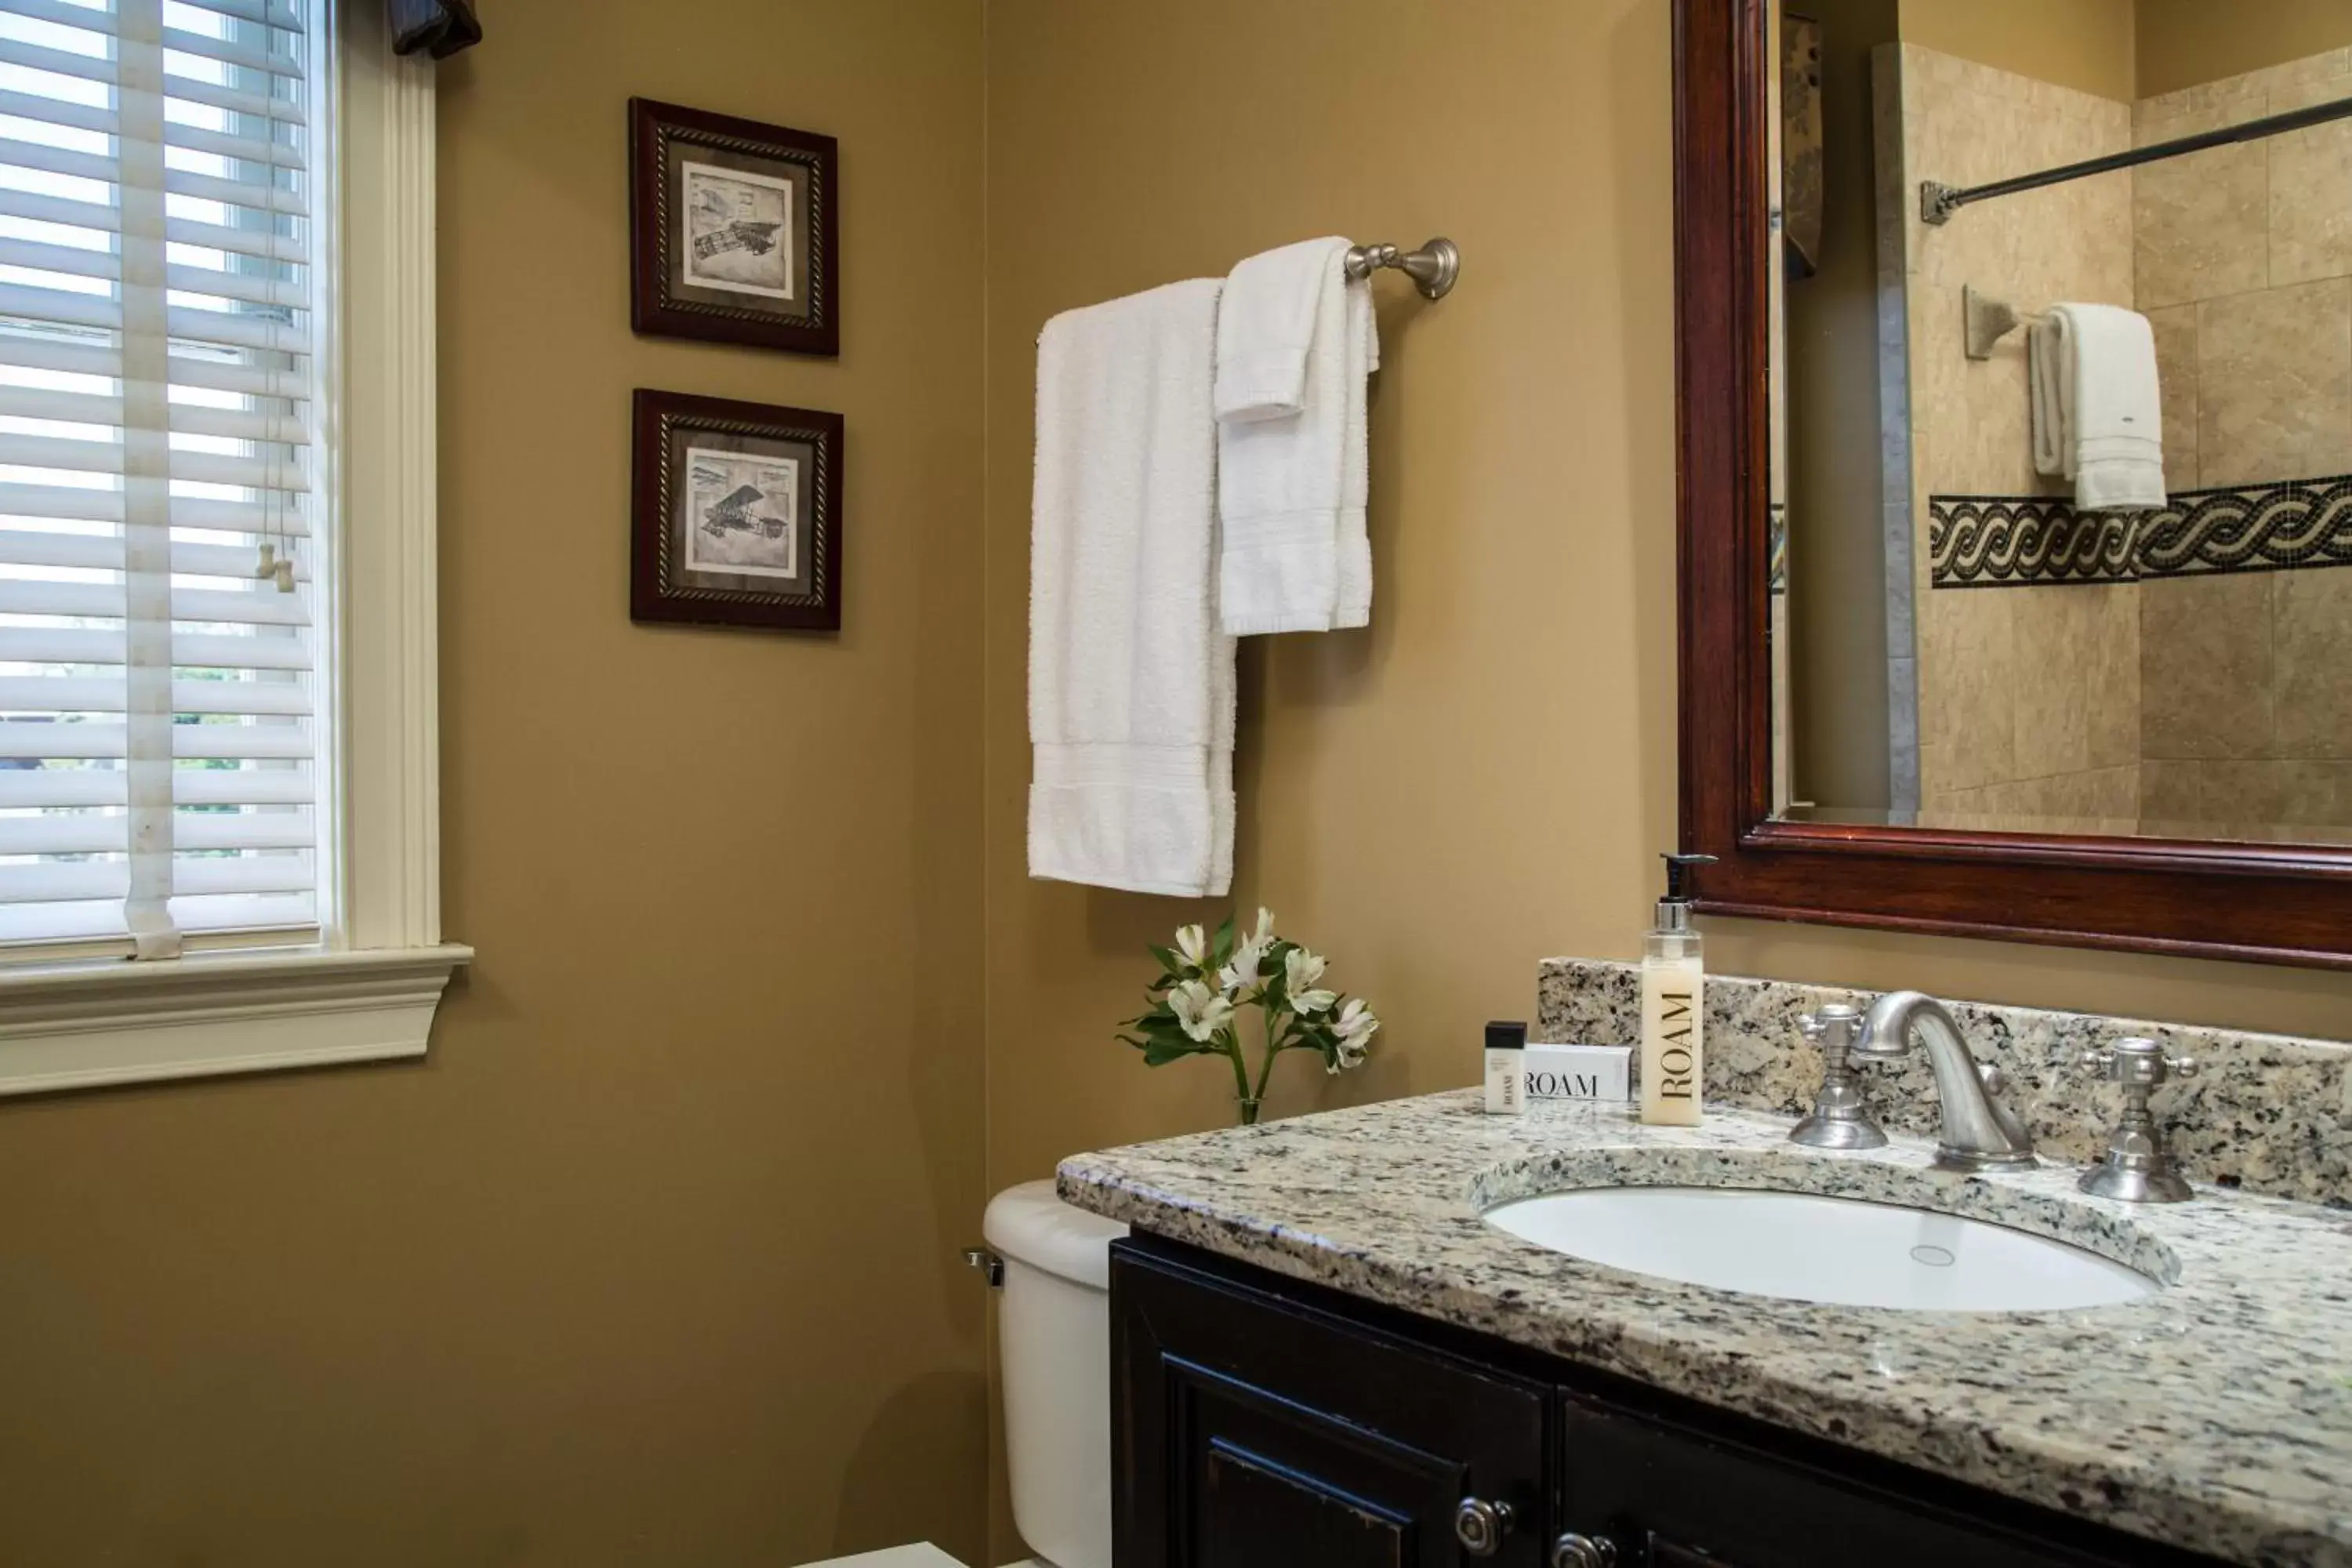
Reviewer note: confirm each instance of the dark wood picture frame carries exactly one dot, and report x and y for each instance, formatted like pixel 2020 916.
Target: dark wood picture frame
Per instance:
pixel 663 585
pixel 661 303
pixel 2270 904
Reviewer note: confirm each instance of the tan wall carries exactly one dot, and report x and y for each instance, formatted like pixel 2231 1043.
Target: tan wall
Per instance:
pixel 1484 776
pixel 1836 506
pixel 1415 797
pixel 652 1261
pixel 2087 45
pixel 2181 43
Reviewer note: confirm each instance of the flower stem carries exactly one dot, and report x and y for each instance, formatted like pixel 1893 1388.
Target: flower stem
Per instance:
pixel 1265 1068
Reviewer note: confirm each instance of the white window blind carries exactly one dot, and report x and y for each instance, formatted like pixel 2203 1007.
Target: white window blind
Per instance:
pixel 159 697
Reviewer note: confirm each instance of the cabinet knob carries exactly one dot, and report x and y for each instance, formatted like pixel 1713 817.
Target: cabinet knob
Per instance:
pixel 1574 1550
pixel 1480 1525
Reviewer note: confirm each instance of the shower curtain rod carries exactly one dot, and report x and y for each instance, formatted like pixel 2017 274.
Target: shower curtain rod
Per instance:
pixel 1939 202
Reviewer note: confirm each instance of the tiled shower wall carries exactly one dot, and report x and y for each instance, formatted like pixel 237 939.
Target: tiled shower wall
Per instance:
pixel 2028 697
pixel 2243 261
pixel 2216 704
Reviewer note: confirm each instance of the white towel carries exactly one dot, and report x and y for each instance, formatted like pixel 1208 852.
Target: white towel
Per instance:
pixel 1266 326
pixel 2098 416
pixel 1355 540
pixel 1291 480
pixel 1131 685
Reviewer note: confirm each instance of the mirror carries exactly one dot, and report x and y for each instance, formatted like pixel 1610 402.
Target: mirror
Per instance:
pixel 2059 497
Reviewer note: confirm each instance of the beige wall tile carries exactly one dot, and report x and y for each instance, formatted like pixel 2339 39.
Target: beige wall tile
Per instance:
pixel 2176 373
pixel 1940 393
pixel 1968 685
pixel 2275 383
pixel 1999 451
pixel 2112 668
pixel 2098 801
pixel 2198 221
pixel 2276 794
pixel 2312 648
pixel 2050 638
pixel 2168 794
pixel 2205 666
pixel 2077 654
pixel 2232 100
pixel 2310 190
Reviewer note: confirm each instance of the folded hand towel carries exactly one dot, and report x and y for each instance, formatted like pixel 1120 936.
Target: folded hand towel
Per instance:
pixel 2097 413
pixel 1130 684
pixel 1265 325
pixel 1291 487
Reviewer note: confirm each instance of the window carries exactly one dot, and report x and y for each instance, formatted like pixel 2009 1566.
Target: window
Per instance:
pixel 161 516
pixel 212 542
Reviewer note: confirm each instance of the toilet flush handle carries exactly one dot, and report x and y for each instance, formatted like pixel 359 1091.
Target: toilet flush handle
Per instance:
pixel 988 1263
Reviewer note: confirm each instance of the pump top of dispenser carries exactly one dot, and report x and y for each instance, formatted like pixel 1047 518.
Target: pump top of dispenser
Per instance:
pixel 1674 909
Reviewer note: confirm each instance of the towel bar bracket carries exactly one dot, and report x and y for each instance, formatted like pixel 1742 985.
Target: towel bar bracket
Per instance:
pixel 1432 268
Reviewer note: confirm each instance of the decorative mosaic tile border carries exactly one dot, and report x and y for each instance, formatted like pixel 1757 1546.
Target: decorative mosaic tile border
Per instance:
pixel 2008 541
pixel 1777 550
pixel 2269 1113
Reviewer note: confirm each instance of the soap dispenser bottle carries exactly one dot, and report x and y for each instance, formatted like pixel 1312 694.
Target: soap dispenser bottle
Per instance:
pixel 1674 985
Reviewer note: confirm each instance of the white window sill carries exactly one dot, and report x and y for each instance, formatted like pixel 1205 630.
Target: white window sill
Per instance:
pixel 80 1026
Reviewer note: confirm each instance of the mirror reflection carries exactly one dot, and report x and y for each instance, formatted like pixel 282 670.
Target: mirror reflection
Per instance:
pixel 2062 396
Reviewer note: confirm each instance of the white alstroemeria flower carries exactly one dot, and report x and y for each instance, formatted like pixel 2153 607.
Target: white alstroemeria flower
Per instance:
pixel 1241 975
pixel 1355 1027
pixel 1192 944
pixel 1301 969
pixel 1200 1010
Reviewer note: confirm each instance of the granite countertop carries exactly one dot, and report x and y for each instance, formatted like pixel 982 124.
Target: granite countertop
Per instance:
pixel 2215 1414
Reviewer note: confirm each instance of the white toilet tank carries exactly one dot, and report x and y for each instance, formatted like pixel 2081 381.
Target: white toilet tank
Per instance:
pixel 1053 1340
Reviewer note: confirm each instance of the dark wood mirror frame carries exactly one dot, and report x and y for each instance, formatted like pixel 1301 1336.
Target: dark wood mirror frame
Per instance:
pixel 2270 904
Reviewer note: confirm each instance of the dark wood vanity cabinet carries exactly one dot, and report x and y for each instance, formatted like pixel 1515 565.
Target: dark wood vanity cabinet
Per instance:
pixel 1262 1423
pixel 1252 1431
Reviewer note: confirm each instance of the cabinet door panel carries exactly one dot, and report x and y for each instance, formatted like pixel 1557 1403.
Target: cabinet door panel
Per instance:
pixel 1264 1480
pixel 1249 1432
pixel 1670 1496
pixel 1252 1511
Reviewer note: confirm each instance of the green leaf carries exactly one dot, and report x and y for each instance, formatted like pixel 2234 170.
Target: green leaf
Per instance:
pixel 1168 960
pixel 1223 948
pixel 1160 1053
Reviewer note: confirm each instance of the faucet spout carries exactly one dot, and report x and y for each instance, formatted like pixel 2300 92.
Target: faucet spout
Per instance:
pixel 1979 1133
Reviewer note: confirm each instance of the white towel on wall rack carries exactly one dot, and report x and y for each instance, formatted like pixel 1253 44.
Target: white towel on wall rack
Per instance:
pixel 1296 343
pixel 1131 682
pixel 2097 409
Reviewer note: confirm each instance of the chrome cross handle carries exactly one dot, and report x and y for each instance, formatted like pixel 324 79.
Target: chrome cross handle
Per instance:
pixel 2136 1167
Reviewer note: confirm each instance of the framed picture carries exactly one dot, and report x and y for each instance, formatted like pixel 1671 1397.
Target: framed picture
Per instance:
pixel 736 514
pixel 735 230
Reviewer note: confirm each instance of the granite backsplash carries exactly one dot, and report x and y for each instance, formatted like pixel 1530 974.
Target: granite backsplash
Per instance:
pixel 2268 1113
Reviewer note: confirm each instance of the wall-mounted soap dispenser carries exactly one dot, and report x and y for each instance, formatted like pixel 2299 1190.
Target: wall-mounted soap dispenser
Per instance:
pixel 1674 985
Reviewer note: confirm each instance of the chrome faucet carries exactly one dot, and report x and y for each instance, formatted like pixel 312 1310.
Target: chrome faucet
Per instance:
pixel 1979 1133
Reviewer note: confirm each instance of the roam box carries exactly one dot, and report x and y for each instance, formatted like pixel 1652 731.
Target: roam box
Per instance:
pixel 1578 1072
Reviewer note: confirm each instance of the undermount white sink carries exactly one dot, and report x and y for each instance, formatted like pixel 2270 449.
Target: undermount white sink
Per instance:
pixel 1808 1248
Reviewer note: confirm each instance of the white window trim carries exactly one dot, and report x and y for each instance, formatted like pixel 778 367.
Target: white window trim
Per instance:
pixel 368 991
